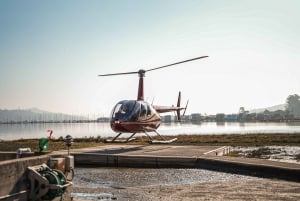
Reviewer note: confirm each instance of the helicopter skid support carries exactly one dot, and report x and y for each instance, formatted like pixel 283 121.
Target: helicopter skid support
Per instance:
pixel 163 141
pixel 131 138
pixel 151 140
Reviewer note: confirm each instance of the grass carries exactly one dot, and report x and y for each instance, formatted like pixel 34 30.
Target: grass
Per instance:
pixel 201 140
pixel 240 140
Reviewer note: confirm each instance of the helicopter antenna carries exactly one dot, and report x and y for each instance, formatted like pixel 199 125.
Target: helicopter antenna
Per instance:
pixel 153 100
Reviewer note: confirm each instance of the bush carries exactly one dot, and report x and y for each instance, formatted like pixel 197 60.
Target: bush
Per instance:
pixel 297 157
pixel 263 152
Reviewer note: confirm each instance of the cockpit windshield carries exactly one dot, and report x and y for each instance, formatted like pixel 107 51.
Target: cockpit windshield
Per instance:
pixel 123 109
pixel 132 110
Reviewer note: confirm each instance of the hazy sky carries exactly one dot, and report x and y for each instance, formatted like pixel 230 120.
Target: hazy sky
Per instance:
pixel 52 51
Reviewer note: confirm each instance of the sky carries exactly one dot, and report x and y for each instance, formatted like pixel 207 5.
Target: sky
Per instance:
pixel 52 51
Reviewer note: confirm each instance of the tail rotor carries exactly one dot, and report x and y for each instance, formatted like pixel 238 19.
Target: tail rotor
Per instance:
pixel 187 103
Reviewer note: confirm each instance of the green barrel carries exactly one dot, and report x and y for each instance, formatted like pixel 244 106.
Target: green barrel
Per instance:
pixel 43 144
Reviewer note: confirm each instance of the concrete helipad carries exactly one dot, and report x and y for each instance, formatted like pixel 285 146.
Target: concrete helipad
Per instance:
pixel 168 156
pixel 155 150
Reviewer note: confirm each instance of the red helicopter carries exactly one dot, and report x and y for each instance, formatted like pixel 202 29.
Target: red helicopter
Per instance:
pixel 138 116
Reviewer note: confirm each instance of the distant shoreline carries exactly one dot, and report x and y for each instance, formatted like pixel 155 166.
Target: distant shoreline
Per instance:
pixel 164 122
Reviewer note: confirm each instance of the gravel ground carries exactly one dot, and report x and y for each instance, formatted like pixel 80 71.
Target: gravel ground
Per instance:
pixel 176 184
pixel 287 154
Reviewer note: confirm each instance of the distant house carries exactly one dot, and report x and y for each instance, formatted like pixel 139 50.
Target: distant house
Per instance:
pixel 278 115
pixel 167 118
pixel 196 117
pixel 260 117
pixel 231 117
pixel 186 118
pixel 220 117
pixel 103 119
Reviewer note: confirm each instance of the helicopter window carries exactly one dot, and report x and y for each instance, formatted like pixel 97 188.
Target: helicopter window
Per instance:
pixel 135 111
pixel 123 108
pixel 143 110
pixel 148 110
pixel 117 109
pixel 128 106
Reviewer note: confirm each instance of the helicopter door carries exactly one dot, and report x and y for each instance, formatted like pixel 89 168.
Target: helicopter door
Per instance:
pixel 146 111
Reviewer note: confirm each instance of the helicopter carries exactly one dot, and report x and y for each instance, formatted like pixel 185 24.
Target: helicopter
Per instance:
pixel 139 116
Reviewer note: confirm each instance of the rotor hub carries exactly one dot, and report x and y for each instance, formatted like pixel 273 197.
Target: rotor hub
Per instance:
pixel 141 73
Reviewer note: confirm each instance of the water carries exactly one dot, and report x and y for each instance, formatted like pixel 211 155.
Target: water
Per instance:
pixel 28 131
pixel 122 178
pixel 124 183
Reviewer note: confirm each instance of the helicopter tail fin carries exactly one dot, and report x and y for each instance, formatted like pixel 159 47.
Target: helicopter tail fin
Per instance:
pixel 177 108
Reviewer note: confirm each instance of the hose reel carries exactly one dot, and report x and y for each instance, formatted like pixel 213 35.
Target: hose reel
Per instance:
pixel 46 183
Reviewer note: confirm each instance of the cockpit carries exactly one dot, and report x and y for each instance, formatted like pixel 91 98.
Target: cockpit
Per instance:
pixel 132 110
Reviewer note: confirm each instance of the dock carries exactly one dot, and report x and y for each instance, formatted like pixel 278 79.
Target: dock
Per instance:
pixel 167 156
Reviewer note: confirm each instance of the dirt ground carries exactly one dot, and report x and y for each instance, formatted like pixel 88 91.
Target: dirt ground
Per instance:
pixel 256 189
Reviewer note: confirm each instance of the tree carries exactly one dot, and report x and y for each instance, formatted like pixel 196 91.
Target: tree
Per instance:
pixel 293 105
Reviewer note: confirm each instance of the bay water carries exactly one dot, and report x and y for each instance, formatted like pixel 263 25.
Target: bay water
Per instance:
pixel 97 129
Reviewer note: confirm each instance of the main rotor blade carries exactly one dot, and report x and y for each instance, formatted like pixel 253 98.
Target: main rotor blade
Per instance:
pixel 127 73
pixel 143 71
pixel 180 62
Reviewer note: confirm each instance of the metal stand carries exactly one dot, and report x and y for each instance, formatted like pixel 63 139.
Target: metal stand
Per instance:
pixel 69 160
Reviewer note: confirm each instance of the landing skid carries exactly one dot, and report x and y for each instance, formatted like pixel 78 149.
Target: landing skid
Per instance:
pixel 151 140
pixel 163 141
pixel 119 141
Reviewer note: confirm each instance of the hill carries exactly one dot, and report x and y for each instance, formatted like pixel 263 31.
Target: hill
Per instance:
pixel 271 109
pixel 36 115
